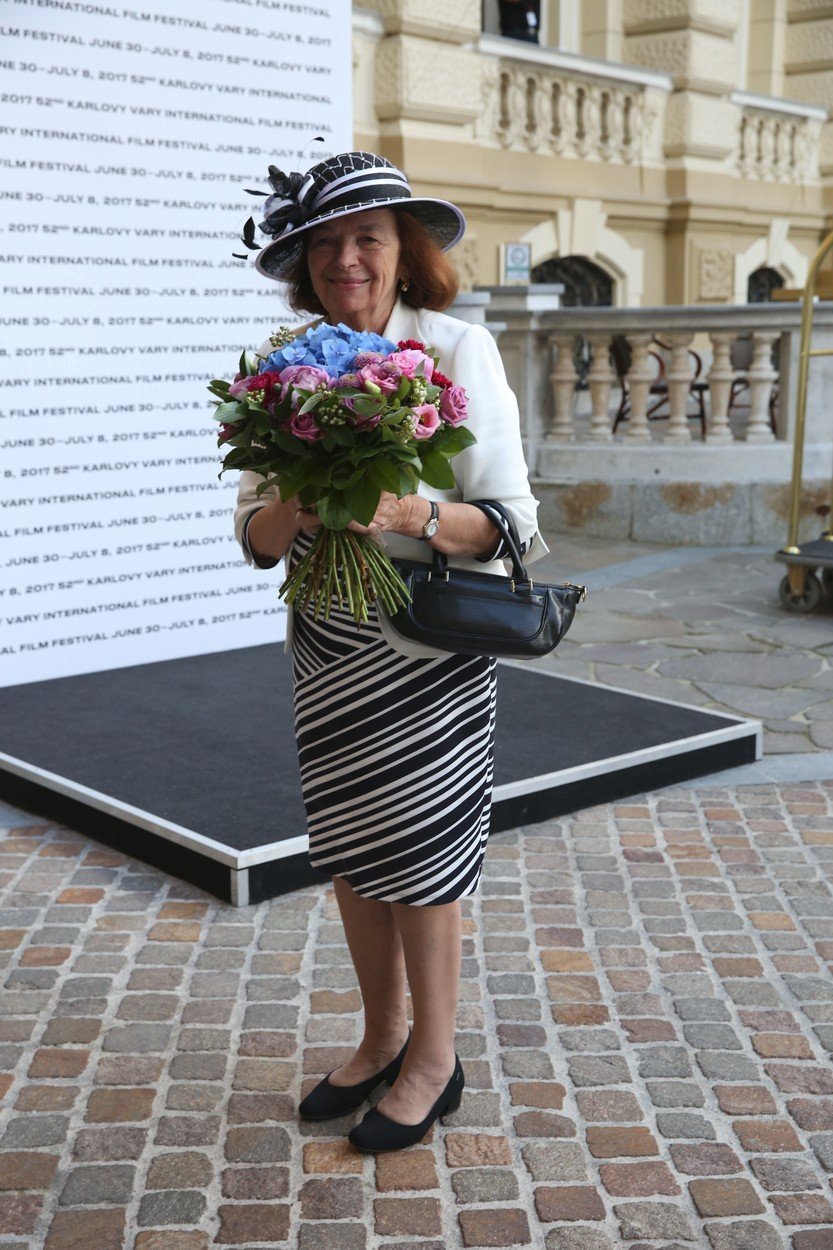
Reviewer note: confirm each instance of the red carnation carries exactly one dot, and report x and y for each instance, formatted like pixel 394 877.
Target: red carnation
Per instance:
pixel 227 432
pixel 439 379
pixel 413 345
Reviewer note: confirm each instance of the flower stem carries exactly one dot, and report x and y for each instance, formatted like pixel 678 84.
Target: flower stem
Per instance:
pixel 347 569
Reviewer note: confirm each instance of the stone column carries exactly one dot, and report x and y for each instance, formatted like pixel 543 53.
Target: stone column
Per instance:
pixel 721 376
pixel 693 42
pixel 563 381
pixel 639 384
pixel 679 382
pixel 761 376
pixel 600 378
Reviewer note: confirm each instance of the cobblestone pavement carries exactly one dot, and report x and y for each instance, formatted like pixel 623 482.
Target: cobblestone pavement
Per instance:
pixel 700 626
pixel 647 1000
pixel 645 1025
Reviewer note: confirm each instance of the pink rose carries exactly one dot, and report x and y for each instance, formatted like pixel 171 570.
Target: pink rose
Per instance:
pixel 383 374
pixel 302 377
pixel 305 427
pixel 428 420
pixel 454 405
pixel 408 362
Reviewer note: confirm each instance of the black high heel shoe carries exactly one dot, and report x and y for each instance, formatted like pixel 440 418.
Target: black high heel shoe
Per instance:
pixel 327 1101
pixel 377 1132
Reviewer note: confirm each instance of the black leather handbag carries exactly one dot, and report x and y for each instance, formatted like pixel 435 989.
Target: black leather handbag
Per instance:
pixel 458 610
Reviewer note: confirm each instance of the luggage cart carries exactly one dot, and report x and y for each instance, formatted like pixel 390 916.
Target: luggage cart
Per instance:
pixel 801 588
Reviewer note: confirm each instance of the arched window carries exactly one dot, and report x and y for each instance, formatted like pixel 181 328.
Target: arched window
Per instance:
pixel 761 284
pixel 586 285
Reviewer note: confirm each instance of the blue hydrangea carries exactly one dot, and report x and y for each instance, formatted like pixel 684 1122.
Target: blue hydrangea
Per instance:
pixel 332 347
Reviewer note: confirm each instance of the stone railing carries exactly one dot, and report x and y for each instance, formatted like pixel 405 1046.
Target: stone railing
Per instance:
pixel 542 100
pixel 666 476
pixel 561 366
pixel 777 139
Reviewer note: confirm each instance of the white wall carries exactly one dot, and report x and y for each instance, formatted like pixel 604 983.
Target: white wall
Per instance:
pixel 127 137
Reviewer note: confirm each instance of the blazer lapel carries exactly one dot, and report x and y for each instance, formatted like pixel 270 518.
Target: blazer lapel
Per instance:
pixel 403 323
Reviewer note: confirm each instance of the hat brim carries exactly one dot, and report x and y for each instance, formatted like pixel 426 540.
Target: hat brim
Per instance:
pixel 442 220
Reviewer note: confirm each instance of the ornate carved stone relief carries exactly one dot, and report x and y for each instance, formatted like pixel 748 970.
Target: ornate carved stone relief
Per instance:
pixel 715 272
pixel 466 260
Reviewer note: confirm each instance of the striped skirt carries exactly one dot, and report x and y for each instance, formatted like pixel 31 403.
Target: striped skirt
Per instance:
pixel 396 757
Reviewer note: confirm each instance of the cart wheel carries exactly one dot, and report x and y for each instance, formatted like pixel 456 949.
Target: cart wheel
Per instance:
pixel 827 581
pixel 806 602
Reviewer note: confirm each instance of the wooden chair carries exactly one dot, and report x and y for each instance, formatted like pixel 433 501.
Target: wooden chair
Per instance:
pixel 620 353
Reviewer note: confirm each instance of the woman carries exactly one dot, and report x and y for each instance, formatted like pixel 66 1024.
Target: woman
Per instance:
pixel 395 741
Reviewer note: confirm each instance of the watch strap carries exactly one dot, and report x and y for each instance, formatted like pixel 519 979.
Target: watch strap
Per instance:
pixel 429 529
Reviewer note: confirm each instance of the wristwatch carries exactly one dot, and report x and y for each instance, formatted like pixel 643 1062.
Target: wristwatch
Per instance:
pixel 431 526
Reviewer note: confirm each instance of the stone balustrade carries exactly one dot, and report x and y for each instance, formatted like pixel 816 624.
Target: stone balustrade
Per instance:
pixel 543 100
pixel 777 140
pixel 559 364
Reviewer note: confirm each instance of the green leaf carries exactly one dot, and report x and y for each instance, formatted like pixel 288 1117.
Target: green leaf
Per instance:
pixel 362 498
pixel 311 403
pixel 333 512
pixel 366 406
pixel 272 481
pixel 286 442
pixel 457 439
pixel 383 474
pixel 436 471
pixel 225 412
pixel 408 481
pixel 337 436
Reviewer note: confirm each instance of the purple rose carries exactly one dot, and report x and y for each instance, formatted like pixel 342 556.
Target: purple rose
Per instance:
pixel 428 420
pixel 454 405
pixel 382 374
pixel 305 427
pixel 302 377
pixel 409 360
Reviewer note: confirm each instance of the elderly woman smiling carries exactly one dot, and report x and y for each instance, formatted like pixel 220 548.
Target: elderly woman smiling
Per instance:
pixel 395 741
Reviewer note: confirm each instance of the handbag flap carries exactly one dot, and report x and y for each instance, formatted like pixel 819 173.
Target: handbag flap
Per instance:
pixel 479 605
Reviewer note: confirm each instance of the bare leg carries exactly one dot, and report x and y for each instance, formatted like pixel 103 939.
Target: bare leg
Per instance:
pixel 432 944
pixel 376 951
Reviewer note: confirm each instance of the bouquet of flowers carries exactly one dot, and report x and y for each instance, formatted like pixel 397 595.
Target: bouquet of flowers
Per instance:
pixel 335 417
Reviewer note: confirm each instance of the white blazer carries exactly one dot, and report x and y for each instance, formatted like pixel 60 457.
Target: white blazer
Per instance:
pixel 493 468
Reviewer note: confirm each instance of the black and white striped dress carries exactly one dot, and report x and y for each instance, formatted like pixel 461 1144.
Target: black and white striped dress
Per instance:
pixel 396 757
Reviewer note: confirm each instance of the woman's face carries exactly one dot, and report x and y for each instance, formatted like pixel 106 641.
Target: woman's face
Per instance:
pixel 354 265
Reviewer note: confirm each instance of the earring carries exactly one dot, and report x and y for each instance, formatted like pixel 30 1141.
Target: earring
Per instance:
pixel 404 286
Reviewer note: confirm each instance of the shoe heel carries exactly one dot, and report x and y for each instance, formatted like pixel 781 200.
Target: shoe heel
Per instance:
pixel 453 1106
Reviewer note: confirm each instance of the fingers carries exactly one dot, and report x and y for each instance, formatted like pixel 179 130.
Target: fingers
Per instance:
pixel 308 520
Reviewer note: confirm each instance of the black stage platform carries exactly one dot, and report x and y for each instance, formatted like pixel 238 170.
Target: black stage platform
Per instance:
pixel 190 764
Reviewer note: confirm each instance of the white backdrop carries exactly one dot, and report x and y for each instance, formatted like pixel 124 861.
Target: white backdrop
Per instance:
pixel 127 137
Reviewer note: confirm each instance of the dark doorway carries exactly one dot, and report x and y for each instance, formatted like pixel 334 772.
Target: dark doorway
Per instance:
pixel 761 284
pixel 586 285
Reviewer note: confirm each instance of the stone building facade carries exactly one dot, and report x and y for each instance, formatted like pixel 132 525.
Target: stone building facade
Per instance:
pixel 681 146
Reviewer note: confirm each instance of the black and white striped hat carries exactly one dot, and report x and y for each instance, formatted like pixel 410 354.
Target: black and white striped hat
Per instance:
pixel 349 183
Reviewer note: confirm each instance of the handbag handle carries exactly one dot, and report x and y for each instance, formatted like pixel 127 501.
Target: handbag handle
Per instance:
pixel 505 526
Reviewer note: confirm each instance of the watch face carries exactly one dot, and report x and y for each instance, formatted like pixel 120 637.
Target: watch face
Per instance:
pixel 431 527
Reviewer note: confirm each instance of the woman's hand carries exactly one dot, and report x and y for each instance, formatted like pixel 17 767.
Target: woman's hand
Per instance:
pixel 391 514
pixel 308 520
